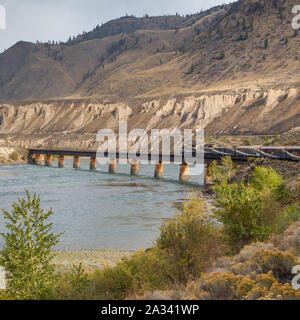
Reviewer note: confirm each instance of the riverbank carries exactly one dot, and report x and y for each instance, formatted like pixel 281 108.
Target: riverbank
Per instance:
pixel 91 260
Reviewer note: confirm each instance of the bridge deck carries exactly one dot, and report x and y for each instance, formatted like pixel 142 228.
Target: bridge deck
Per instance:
pixel 242 153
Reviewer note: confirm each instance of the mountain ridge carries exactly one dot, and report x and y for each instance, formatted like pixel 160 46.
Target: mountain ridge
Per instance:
pixel 245 48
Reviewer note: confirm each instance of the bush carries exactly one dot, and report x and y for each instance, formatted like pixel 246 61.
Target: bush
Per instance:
pixel 15 156
pixel 279 262
pixel 113 283
pixel 191 241
pixel 228 286
pixel 253 212
pixel 266 179
pixel 143 271
pixel 225 285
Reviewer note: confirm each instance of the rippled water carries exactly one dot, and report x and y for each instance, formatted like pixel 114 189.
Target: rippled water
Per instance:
pixel 95 209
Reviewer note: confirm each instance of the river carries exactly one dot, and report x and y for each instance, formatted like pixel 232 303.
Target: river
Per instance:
pixel 94 209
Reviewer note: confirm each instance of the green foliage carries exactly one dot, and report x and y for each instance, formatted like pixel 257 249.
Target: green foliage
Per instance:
pixel 248 142
pixel 251 24
pixel 266 43
pixel 221 55
pixel 27 252
pixel 190 242
pixel 266 179
pixel 113 283
pixel 254 211
pixel 143 271
pixel 79 278
pixel 223 172
pixel 244 24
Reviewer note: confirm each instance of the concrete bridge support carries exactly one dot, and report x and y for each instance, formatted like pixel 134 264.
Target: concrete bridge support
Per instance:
pixel 38 159
pixel 93 164
pixel 76 162
pixel 48 160
pixel 61 162
pixel 159 170
pixel 112 167
pixel 31 158
pixel 184 172
pixel 134 170
pixel 207 179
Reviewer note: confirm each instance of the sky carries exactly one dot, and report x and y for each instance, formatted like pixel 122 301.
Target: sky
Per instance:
pixel 43 20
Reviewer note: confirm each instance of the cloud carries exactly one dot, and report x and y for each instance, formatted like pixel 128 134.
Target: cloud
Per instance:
pixel 32 20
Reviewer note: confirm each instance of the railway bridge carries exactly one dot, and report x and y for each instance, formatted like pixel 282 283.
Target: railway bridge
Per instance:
pixel 209 153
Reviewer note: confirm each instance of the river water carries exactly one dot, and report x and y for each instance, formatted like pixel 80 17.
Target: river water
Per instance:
pixel 94 209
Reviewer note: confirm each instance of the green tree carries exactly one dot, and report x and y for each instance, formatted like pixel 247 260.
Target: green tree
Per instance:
pixel 27 251
pixel 251 24
pixel 221 55
pixel 244 24
pixel 266 44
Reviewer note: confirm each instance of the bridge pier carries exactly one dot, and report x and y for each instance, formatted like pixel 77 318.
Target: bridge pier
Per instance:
pixel 206 175
pixel 93 164
pixel 134 170
pixel 31 158
pixel 61 162
pixel 48 160
pixel 159 170
pixel 38 159
pixel 184 172
pixel 76 162
pixel 112 167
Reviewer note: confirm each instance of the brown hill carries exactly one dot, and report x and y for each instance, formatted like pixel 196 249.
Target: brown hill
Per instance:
pixel 239 64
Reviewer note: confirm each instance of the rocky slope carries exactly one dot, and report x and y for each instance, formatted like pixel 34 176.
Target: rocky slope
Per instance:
pixel 73 123
pixel 233 70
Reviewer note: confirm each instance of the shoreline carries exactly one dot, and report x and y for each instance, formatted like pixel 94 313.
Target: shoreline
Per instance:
pixel 91 260
pixel 13 163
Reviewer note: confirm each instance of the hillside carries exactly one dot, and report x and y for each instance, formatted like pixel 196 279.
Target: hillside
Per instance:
pixel 233 69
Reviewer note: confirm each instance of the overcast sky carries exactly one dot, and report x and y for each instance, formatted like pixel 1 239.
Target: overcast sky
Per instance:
pixel 43 20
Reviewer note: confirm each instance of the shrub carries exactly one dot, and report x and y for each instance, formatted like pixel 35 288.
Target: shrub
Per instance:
pixel 113 283
pixel 253 212
pixel 223 172
pixel 15 156
pixel 191 241
pixel 27 252
pixel 279 262
pixel 266 179
pixel 74 285
pixel 143 271
pixel 227 286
